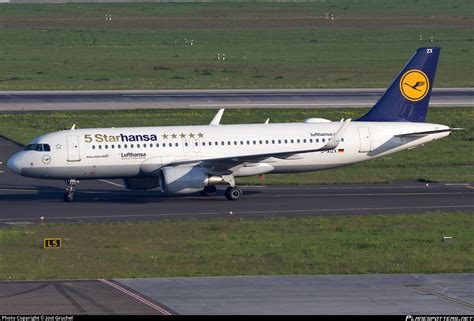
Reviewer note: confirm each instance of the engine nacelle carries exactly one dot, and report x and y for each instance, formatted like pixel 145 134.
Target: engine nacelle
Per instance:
pixel 183 179
pixel 142 183
pixel 316 120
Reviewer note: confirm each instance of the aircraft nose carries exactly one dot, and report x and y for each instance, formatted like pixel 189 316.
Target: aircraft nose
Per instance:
pixel 13 164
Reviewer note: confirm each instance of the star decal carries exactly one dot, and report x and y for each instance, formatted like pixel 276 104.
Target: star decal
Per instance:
pixel 182 135
pixel 191 135
pixel 200 135
pixel 174 136
pixel 58 146
pixel 164 136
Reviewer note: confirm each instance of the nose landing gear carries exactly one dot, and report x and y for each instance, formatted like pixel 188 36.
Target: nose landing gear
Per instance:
pixel 70 189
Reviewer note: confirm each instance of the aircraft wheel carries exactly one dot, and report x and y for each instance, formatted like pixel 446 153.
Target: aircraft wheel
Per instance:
pixel 209 191
pixel 68 197
pixel 233 193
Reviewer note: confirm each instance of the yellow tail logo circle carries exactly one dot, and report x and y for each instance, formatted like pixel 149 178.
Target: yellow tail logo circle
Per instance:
pixel 414 85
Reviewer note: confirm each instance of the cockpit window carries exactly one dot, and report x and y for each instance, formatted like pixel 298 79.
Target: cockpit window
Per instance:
pixel 38 147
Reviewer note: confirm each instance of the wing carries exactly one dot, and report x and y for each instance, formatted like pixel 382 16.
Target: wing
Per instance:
pixel 230 164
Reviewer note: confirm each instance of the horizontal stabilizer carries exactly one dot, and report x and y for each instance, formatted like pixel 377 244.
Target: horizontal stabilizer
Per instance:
pixel 428 132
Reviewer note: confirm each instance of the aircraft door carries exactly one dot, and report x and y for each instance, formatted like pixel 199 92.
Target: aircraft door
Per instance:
pixel 364 140
pixel 73 154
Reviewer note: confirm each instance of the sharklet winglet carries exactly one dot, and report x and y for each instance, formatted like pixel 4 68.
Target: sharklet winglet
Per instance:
pixel 217 118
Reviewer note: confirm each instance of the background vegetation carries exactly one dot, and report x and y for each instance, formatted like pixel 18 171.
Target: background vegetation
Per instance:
pixel 266 45
pixel 300 245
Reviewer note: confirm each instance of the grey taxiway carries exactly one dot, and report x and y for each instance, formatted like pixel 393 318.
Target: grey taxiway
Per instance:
pixel 413 294
pixel 31 101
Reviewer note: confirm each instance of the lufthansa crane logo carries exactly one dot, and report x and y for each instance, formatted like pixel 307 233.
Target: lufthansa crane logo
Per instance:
pixel 414 85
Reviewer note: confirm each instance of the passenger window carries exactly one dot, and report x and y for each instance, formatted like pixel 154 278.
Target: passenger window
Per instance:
pixel 292 141
pixel 279 141
pixel 342 139
pixel 266 142
pixel 125 146
pixel 112 146
pixel 170 145
pixel 273 141
pixel 157 145
pixel 100 146
pixel 235 142
pixel 304 141
pixel 255 142
pixel 310 140
pixel 138 145
pixel 241 142
pixel 176 144
pixel 131 145
pixel 324 140
pixel 118 146
pixel 93 146
pixel 298 141
pixel 317 140
pixel 260 142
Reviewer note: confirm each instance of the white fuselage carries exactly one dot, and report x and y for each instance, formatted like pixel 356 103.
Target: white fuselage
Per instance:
pixel 141 151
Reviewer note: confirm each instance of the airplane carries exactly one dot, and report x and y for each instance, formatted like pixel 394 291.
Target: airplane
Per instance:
pixel 190 159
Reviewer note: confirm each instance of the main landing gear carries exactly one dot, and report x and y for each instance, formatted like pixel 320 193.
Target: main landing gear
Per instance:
pixel 233 193
pixel 210 190
pixel 70 189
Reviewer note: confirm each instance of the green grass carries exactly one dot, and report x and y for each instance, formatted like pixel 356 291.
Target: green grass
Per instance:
pixel 238 246
pixel 447 160
pixel 267 45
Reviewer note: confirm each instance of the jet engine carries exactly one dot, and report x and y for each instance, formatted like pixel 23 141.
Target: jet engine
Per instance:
pixel 185 179
pixel 142 183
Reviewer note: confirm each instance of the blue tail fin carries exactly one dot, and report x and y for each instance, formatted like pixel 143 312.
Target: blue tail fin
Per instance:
pixel 408 96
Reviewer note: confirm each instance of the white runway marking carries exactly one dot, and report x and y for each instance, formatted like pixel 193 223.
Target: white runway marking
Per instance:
pixel 224 212
pixel 136 296
pixel 110 182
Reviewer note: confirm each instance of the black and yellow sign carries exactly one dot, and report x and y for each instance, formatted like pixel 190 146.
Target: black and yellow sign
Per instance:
pixel 414 85
pixel 52 243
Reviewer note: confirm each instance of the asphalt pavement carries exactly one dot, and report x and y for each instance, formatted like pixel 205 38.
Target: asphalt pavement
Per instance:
pixel 34 101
